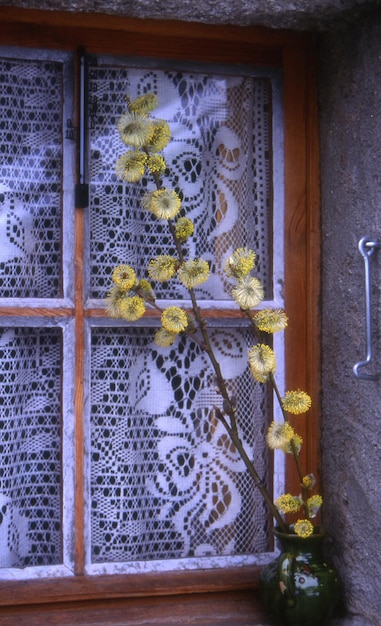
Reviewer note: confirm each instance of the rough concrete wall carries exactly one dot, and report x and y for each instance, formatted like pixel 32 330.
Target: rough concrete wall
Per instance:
pixel 293 14
pixel 350 117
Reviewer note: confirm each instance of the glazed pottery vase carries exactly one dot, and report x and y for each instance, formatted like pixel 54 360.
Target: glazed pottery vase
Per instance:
pixel 299 588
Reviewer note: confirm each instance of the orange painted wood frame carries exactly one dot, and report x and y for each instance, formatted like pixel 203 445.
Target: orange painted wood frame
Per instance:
pixel 294 53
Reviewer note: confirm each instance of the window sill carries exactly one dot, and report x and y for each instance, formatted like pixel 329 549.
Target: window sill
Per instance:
pixel 238 608
pixel 77 589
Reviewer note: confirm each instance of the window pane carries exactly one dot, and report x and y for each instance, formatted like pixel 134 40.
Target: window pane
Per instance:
pixel 31 122
pixel 165 483
pixel 30 448
pixel 219 157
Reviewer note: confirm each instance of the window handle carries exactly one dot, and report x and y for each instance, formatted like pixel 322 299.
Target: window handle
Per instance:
pixel 367 246
pixel 82 188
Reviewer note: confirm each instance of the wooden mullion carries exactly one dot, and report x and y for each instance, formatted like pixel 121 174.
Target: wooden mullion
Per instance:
pixel 79 230
pixel 79 396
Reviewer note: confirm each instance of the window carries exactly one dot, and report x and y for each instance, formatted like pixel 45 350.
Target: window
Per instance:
pixel 98 434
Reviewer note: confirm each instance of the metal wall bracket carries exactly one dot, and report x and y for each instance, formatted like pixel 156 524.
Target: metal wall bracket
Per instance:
pixel 367 247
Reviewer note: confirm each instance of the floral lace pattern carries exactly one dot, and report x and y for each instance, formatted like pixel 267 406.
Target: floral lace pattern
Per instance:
pixel 31 112
pixel 30 451
pixel 165 482
pixel 220 151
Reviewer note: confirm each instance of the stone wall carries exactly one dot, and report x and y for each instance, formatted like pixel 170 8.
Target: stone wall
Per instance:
pixel 292 14
pixel 350 128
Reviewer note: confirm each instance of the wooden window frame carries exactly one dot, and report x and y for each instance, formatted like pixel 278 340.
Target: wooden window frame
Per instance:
pixel 294 53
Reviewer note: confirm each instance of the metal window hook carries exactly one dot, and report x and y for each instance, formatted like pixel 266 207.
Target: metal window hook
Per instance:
pixel 367 246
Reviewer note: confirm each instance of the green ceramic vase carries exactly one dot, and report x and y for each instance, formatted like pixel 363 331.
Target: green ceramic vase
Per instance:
pixel 299 588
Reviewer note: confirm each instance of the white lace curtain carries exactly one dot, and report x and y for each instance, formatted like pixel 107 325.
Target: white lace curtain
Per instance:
pixel 165 482
pixel 162 480
pixel 31 167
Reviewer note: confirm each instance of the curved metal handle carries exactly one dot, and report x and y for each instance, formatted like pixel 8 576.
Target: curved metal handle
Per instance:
pixel 367 247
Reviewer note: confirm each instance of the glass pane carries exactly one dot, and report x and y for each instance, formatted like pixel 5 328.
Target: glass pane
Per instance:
pixel 30 448
pixel 31 151
pixel 219 157
pixel 165 483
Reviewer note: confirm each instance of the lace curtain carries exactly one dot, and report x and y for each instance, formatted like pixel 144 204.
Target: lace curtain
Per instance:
pixel 161 479
pixel 31 114
pixel 165 481
pixel 219 157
